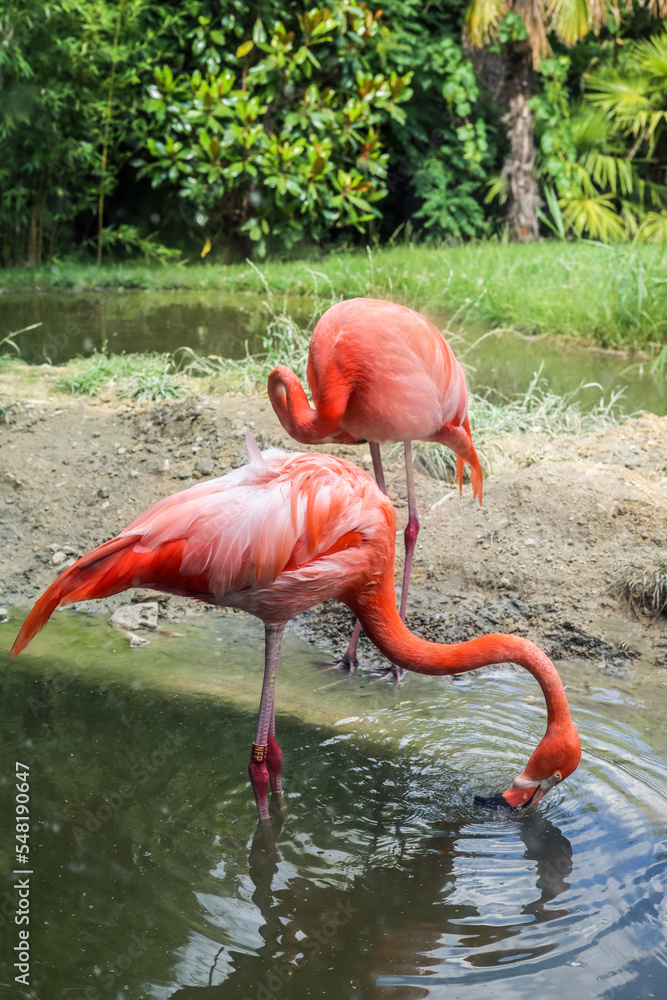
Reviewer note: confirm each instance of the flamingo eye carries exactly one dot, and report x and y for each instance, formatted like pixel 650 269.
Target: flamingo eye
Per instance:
pixel 558 776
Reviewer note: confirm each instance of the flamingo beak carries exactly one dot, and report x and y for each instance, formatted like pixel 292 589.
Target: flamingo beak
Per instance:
pixel 513 799
pixel 521 795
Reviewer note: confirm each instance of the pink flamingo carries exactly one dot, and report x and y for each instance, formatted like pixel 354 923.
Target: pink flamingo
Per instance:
pixel 277 537
pixel 377 372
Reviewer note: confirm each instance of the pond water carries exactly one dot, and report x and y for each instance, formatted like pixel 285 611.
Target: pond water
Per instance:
pixel 380 878
pixel 213 323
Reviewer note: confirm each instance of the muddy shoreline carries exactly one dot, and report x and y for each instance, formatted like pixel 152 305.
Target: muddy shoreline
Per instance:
pixel 560 518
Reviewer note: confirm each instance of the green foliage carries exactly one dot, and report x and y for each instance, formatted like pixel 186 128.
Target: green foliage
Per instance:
pixel 283 138
pixel 634 93
pixel 450 198
pixel 439 157
pixel 70 94
pixel 278 126
pixel 511 29
pixel 129 239
pixel 603 153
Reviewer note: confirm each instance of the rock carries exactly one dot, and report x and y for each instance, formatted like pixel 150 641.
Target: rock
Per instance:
pixel 205 466
pixel 143 595
pixel 103 493
pixel 58 558
pixel 136 640
pixel 4 617
pixel 132 616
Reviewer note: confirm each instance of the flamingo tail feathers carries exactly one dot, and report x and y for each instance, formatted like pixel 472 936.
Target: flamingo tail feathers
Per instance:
pixel 107 570
pixel 459 439
pixel 476 477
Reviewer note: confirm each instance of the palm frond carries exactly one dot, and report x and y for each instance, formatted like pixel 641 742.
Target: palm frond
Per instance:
pixel 482 19
pixel 594 216
pixel 657 8
pixel 497 187
pixel 613 172
pixel 573 19
pixel 633 102
pixel 556 223
pixel 630 212
pixel 579 173
pixel 591 129
pixel 627 99
pixel 653 228
pixel 534 17
pixel 650 54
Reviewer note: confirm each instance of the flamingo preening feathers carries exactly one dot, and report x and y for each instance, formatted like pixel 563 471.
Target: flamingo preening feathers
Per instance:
pixel 274 538
pixel 378 371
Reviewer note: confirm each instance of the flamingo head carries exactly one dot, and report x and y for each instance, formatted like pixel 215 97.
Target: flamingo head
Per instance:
pixel 556 757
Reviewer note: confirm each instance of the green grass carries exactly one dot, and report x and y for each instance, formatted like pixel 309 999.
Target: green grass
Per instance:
pixel 130 376
pixel 607 296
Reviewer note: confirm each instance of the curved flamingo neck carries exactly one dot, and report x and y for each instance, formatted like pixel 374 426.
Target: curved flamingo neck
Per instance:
pixel 376 610
pixel 300 420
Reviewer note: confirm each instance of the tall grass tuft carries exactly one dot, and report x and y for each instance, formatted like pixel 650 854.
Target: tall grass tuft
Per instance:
pixel 130 376
pixel 643 589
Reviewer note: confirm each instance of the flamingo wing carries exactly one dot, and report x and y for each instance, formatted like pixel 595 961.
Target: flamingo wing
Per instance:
pixel 274 537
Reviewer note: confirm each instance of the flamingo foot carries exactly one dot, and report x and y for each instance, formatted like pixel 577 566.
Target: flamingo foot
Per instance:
pixel 391 672
pixel 346 662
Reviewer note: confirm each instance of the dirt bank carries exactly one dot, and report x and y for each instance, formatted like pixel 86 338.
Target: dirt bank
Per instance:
pixel 559 518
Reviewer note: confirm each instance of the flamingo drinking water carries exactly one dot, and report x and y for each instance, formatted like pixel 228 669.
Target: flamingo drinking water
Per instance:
pixel 279 536
pixel 377 372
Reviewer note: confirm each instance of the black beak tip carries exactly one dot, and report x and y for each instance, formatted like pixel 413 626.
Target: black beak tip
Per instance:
pixel 493 802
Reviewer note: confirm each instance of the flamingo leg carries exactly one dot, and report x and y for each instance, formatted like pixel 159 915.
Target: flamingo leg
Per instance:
pixel 412 528
pixel 274 755
pixel 260 767
pixel 349 660
pixel 378 471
